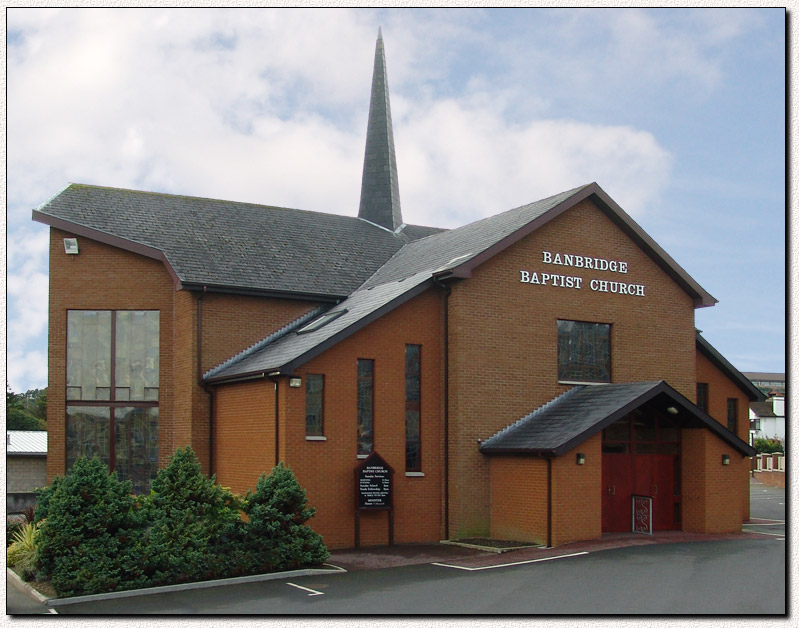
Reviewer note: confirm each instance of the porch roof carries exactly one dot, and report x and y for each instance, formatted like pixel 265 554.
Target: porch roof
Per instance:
pixel 571 418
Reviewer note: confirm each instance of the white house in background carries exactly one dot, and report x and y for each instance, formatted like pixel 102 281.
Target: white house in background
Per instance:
pixel 767 418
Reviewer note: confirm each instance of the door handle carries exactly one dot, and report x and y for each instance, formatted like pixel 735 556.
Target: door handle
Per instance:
pixel 612 489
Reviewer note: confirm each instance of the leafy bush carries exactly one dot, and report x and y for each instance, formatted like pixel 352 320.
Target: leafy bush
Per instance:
pixel 12 525
pixel 192 521
pixel 276 537
pixel 22 551
pixel 95 537
pixel 769 445
pixel 84 544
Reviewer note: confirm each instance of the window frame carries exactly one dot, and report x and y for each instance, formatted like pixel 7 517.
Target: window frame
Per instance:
pixel 732 414
pixel 592 381
pixel 112 403
pixel 409 409
pixel 321 379
pixel 359 407
pixel 702 401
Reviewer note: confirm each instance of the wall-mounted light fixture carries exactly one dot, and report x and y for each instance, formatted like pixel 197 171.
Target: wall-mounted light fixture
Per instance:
pixel 671 410
pixel 71 246
pixel 580 458
pixel 295 382
pixel 725 458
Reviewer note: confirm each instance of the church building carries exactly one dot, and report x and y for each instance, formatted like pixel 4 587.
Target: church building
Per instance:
pixel 532 376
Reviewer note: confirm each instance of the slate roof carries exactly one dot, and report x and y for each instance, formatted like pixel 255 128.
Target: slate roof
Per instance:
pixel 26 443
pixel 563 423
pixel 288 350
pixel 728 369
pixel 231 245
pixel 762 409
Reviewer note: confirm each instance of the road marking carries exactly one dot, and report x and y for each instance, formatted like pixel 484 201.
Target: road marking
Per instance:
pixel 521 562
pixel 765 524
pixel 782 536
pixel 312 592
pixel 764 519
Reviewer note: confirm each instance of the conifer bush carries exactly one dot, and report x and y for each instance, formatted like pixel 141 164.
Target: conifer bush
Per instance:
pixel 85 543
pixel 276 537
pixel 192 523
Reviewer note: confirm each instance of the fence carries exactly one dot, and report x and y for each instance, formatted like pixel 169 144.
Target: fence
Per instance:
pixel 769 469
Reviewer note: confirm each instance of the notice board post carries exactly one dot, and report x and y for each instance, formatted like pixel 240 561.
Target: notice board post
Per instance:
pixel 373 484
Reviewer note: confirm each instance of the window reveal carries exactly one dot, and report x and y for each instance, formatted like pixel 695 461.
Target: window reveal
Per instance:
pixel 701 396
pixel 365 407
pixel 583 351
pixel 112 361
pixel 413 400
pixel 732 415
pixel 314 405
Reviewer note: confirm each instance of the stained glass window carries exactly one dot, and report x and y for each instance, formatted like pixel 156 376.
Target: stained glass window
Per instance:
pixel 365 406
pixel 113 357
pixel 314 397
pixel 583 352
pixel 413 397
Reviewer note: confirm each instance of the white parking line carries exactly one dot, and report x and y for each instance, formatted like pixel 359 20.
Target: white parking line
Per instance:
pixel 312 592
pixel 782 536
pixel 521 562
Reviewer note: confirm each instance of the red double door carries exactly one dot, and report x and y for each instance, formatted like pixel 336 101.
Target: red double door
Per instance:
pixel 649 475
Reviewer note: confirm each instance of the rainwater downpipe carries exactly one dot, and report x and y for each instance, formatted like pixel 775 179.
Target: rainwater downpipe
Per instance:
pixel 277 422
pixel 208 389
pixel 447 292
pixel 549 502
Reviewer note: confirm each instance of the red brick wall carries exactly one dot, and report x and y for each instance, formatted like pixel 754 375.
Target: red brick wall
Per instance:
pixel 721 388
pixel 519 498
pixel 102 277
pixel 503 340
pixel 711 491
pixel 326 468
pixel 577 494
pixel 244 428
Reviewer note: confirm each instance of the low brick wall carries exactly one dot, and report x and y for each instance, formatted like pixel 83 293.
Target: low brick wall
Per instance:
pixel 770 478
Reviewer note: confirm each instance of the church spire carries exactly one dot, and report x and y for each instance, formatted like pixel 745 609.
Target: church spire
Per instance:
pixel 380 201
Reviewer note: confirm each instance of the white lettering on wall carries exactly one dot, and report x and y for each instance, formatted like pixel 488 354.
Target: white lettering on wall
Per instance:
pixel 582 261
pixel 589 263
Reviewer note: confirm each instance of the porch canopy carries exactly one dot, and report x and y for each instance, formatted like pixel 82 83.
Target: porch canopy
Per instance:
pixel 571 418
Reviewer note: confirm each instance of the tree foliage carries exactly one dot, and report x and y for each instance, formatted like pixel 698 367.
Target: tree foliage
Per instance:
pixel 769 445
pixel 26 411
pixel 95 537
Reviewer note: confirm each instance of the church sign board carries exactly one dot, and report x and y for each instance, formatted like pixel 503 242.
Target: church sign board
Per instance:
pixel 373 479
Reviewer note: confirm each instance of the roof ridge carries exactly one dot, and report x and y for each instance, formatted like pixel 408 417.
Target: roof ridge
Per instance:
pixel 537 411
pixel 273 337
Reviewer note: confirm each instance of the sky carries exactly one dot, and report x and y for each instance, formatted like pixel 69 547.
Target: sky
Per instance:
pixel 678 114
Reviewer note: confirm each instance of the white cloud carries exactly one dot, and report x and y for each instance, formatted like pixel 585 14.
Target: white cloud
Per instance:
pixel 270 106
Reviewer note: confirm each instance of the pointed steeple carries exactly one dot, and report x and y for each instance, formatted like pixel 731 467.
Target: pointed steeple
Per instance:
pixel 380 201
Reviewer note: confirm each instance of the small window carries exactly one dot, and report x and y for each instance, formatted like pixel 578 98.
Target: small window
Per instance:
pixel 314 404
pixel 583 352
pixel 701 396
pixel 732 415
pixel 413 400
pixel 323 320
pixel 366 369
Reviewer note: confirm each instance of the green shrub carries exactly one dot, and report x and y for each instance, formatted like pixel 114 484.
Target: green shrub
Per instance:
pixel 276 537
pixel 769 445
pixel 12 525
pixel 22 551
pixel 192 523
pixel 43 496
pixel 84 544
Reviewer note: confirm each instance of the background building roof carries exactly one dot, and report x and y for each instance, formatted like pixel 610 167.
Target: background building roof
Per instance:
pixel 19 442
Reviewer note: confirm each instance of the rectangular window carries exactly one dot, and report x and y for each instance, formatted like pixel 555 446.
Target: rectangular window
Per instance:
pixel 366 370
pixel 314 404
pixel 732 415
pixel 583 352
pixel 701 396
pixel 413 407
pixel 112 391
